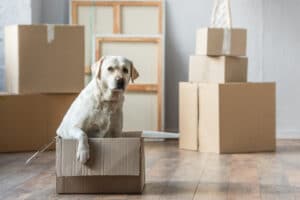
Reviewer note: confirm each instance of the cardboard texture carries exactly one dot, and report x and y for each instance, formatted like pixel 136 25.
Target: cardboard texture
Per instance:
pixel 28 122
pixel 116 165
pixel 218 69
pixel 188 116
pixel 220 42
pixel 44 59
pixel 232 117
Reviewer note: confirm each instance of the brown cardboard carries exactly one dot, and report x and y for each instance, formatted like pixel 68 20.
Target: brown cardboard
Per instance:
pixel 219 42
pixel 28 122
pixel 188 115
pixel 36 64
pixel 233 117
pixel 219 69
pixel 116 165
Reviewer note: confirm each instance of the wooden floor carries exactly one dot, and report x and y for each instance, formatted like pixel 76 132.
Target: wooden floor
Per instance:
pixel 173 174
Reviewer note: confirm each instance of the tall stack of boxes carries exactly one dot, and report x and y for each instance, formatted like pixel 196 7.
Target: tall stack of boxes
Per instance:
pixel 219 111
pixel 44 74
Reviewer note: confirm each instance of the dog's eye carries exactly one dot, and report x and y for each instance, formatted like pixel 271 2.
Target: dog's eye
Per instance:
pixel 125 70
pixel 111 69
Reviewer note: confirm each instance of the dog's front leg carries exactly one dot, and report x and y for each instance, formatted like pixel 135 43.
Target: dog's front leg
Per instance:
pixel 83 152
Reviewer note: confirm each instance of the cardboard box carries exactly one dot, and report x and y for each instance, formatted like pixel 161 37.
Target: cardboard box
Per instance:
pixel 44 59
pixel 220 42
pixel 227 118
pixel 116 165
pixel 219 69
pixel 28 122
pixel 188 115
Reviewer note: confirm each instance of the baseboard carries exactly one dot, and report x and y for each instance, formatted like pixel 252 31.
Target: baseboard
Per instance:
pixel 286 134
pixel 283 134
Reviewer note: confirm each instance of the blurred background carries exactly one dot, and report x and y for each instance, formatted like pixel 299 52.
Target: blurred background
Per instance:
pixel 273 46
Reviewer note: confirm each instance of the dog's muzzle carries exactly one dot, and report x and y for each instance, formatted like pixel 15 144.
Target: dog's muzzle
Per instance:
pixel 121 84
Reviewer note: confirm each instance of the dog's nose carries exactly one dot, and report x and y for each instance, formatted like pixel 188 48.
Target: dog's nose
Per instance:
pixel 120 83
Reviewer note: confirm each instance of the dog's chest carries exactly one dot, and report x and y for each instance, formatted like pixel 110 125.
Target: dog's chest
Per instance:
pixel 99 120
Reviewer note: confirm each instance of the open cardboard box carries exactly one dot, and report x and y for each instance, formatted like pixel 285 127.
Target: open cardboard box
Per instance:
pixel 227 118
pixel 221 42
pixel 218 69
pixel 116 165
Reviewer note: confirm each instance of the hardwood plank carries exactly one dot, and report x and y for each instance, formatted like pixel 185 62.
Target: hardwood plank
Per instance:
pixel 244 180
pixel 270 170
pixel 173 174
pixel 296 192
pixel 275 192
pixel 211 191
pixel 217 169
pixel 189 168
pixel 243 169
pixel 293 176
pixel 213 183
pixel 290 160
pixel 18 173
pixel 161 161
pixel 179 190
pixel 245 191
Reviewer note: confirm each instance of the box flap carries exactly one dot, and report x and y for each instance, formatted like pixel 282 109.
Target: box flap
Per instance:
pixel 188 115
pixel 209 117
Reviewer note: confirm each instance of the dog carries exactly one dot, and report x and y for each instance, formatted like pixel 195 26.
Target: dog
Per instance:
pixel 97 111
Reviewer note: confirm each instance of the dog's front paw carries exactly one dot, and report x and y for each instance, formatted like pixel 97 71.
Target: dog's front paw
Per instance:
pixel 83 155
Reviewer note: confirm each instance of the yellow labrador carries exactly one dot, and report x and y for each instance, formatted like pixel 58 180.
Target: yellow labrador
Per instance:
pixel 97 111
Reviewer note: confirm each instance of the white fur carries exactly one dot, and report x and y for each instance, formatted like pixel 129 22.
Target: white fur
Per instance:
pixel 97 111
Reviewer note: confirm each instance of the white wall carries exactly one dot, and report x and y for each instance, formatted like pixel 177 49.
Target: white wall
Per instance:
pixel 55 11
pixel 11 12
pixel 273 48
pixel 28 12
pixel 36 11
pixel 281 48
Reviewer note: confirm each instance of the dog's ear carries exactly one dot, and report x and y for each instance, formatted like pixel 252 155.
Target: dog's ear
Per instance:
pixel 96 68
pixel 133 73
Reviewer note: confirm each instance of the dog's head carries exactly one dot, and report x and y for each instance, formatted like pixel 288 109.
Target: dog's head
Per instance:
pixel 115 72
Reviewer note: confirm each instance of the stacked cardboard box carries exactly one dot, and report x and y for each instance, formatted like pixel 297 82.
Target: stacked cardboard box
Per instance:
pixel 219 111
pixel 44 73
